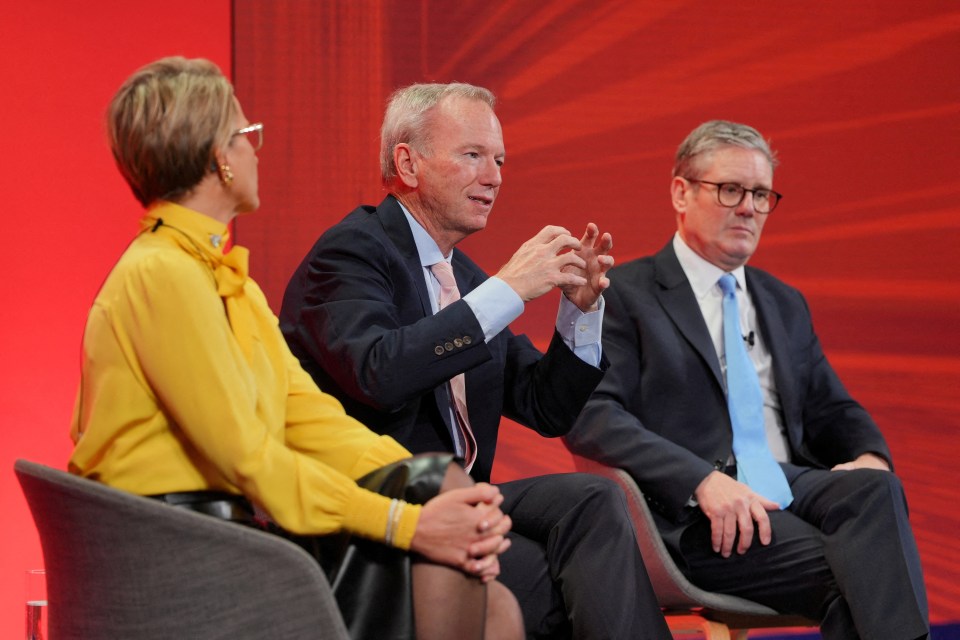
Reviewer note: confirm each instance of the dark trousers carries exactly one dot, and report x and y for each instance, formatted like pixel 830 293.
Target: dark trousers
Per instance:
pixel 843 553
pixel 574 564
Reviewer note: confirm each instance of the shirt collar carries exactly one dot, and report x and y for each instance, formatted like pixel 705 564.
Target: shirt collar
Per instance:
pixel 427 247
pixel 703 275
pixel 208 236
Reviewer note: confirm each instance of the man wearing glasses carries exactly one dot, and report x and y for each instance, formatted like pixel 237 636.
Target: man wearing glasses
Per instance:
pixel 767 480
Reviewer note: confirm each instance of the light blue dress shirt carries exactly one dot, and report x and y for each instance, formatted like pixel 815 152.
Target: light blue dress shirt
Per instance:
pixel 496 304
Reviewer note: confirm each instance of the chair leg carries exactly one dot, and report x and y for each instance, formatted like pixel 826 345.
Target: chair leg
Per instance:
pixel 685 625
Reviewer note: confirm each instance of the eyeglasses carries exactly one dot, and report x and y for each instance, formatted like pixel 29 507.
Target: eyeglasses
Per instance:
pixel 731 194
pixel 254 133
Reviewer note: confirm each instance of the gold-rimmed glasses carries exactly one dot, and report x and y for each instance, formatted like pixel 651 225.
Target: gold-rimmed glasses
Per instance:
pixel 254 133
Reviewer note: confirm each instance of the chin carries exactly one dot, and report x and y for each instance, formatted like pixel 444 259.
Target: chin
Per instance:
pixel 743 247
pixel 248 207
pixel 475 222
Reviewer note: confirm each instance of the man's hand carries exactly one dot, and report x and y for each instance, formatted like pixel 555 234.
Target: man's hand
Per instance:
pixel 595 252
pixel 864 461
pixel 547 260
pixel 465 529
pixel 733 506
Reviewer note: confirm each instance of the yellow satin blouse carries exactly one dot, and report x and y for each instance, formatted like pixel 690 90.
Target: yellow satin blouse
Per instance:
pixel 187 384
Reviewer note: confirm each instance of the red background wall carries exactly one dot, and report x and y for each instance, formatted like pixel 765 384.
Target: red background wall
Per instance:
pixel 861 101
pixel 67 215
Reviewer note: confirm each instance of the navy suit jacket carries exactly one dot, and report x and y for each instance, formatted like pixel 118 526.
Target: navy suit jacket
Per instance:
pixel 661 411
pixel 357 314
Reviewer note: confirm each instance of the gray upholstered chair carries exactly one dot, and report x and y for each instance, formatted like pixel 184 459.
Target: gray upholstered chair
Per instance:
pixel 688 609
pixel 124 566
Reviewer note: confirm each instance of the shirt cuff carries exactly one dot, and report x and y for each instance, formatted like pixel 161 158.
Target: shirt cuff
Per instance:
pixel 369 512
pixel 495 304
pixel 581 332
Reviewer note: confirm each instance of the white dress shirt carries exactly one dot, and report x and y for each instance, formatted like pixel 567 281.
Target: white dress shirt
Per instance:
pixel 704 277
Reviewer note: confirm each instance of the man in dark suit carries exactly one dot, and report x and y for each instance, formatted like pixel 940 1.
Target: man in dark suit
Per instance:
pixel 827 535
pixel 373 318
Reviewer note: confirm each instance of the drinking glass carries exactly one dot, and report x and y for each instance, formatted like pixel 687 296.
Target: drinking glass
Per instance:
pixel 36 592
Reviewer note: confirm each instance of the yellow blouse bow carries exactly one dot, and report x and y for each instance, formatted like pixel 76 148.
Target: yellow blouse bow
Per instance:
pixel 230 270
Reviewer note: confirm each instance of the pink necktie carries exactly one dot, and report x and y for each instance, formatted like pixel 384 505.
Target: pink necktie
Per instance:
pixel 449 293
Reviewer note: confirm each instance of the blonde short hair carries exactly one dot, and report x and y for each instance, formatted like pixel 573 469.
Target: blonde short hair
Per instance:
pixel 166 123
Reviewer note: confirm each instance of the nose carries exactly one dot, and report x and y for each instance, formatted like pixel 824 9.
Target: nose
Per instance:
pixel 746 206
pixel 490 176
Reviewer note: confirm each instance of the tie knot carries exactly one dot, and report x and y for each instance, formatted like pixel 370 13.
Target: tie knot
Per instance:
pixel 728 284
pixel 443 272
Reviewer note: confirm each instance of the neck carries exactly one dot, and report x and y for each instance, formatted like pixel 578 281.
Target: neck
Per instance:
pixel 208 198
pixel 430 221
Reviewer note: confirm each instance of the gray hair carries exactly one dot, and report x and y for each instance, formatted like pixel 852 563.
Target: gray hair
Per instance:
pixel 712 135
pixel 408 113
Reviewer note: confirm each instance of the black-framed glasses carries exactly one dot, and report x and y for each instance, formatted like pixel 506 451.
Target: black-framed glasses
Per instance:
pixel 254 133
pixel 731 194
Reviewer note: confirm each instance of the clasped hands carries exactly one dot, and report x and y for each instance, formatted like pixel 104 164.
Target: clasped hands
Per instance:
pixel 734 507
pixel 554 258
pixel 465 529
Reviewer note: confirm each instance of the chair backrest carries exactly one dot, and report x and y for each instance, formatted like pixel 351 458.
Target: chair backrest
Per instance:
pixel 674 591
pixel 123 566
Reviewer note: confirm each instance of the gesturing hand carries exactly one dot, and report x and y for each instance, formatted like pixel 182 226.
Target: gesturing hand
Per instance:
pixel 733 506
pixel 464 528
pixel 547 260
pixel 595 253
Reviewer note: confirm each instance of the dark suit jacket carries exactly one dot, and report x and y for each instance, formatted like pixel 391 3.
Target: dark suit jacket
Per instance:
pixel 357 314
pixel 661 412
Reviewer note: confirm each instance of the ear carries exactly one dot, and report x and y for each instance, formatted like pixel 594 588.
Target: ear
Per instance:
pixel 219 159
pixel 406 159
pixel 679 191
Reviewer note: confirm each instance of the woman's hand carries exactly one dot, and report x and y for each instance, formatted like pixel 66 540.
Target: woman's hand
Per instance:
pixel 464 528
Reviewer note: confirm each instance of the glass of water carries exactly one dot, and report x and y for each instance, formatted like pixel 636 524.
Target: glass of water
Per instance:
pixel 36 604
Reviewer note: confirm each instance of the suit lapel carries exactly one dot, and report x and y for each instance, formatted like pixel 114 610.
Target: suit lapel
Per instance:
pixel 465 272
pixel 775 339
pixel 677 299
pixel 397 228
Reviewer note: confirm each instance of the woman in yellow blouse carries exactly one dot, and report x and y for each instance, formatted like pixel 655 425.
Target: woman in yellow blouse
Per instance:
pixel 189 394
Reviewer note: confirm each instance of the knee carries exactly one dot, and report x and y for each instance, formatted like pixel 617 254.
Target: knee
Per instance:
pixel 504 619
pixel 874 482
pixel 601 497
pixel 885 486
pixel 867 493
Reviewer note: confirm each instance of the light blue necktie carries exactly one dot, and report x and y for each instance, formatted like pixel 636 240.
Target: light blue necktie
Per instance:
pixel 755 464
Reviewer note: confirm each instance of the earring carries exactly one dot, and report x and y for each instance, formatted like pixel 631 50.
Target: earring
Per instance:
pixel 226 176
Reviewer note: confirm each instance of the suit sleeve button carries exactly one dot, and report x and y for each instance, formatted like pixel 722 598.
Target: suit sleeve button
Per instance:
pixel 457 342
pixel 448 346
pixel 467 340
pixel 438 350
